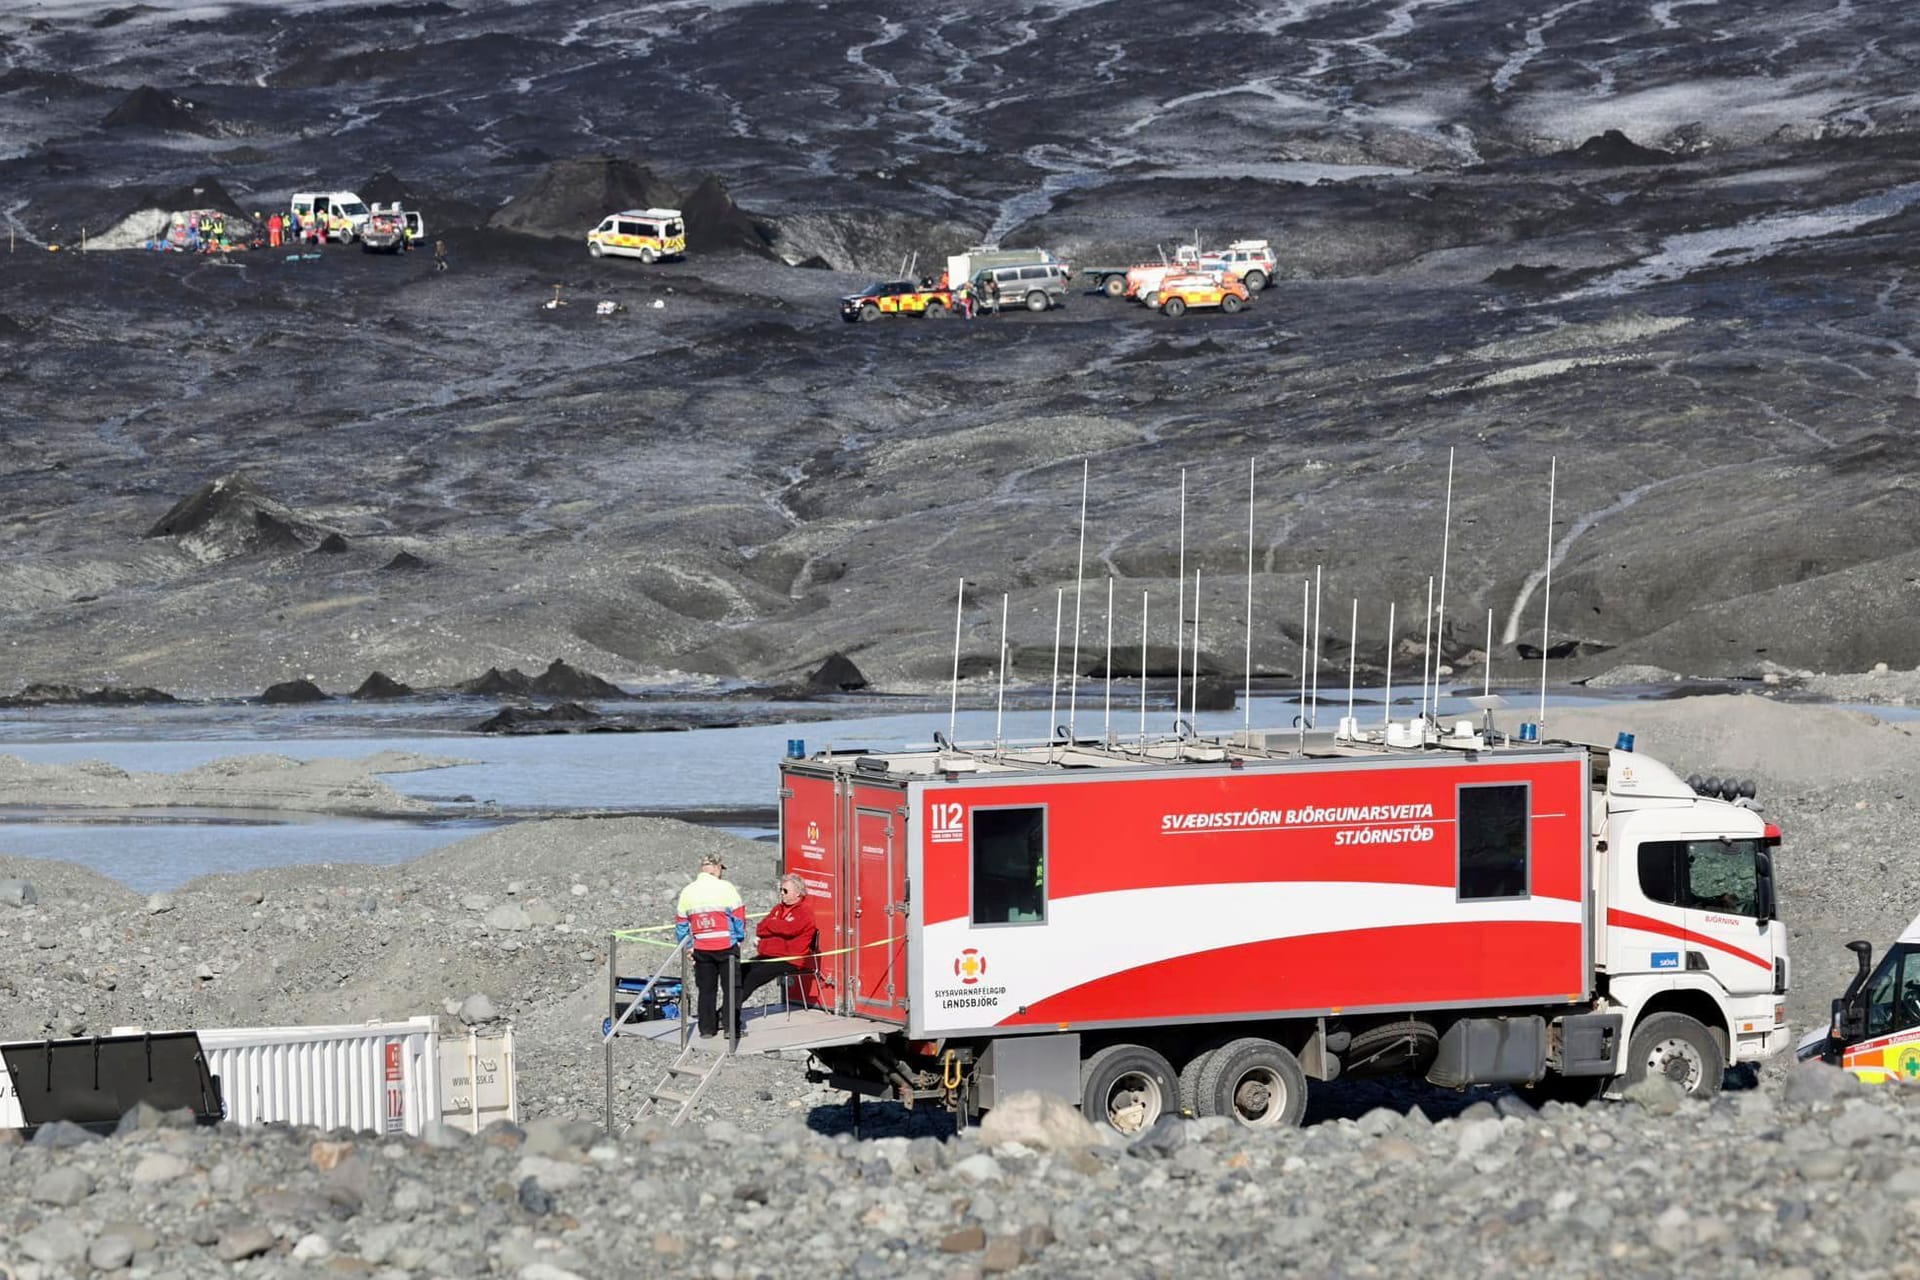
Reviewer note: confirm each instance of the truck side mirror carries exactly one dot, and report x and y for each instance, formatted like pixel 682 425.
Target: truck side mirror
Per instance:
pixel 1849 1020
pixel 1763 871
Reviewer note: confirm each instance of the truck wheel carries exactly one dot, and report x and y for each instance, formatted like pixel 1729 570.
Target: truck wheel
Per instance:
pixel 1190 1082
pixel 593 249
pixel 1115 286
pixel 1037 301
pixel 869 312
pixel 1175 308
pixel 1127 1087
pixel 1681 1049
pixel 1254 280
pixel 1254 1082
pixel 647 256
pixel 1151 299
pixel 936 311
pixel 1230 304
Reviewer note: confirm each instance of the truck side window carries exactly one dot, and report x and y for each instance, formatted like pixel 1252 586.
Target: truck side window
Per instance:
pixel 1494 842
pixel 1906 1012
pixel 1010 866
pixel 1702 875
pixel 1882 997
pixel 1657 872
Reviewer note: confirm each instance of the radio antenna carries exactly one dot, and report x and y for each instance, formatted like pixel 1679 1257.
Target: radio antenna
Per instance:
pixel 1079 575
pixel 1316 646
pixel 1426 650
pixel 1386 698
pixel 1246 722
pixel 1486 673
pixel 1306 594
pixel 1353 653
pixel 1106 723
pixel 1053 701
pixel 1000 711
pixel 1193 702
pixel 1180 606
pixel 1143 672
pixel 1440 618
pixel 953 701
pixel 1546 600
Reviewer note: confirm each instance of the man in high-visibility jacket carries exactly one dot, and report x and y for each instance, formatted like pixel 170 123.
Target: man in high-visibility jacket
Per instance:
pixel 713 918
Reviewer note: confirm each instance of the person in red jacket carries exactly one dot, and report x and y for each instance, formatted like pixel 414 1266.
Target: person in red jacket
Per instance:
pixel 785 933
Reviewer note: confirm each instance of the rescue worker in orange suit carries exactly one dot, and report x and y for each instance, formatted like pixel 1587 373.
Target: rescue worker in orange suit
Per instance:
pixel 786 934
pixel 712 919
pixel 273 231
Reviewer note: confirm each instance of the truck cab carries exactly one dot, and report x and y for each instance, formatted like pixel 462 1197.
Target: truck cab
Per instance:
pixel 1690 912
pixel 1875 1031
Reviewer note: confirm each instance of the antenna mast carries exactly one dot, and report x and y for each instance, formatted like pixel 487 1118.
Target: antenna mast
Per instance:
pixel 1000 711
pixel 1179 607
pixel 1386 699
pixel 1426 650
pixel 1446 536
pixel 1353 654
pixel 1143 672
pixel 1546 600
pixel 1106 723
pixel 1306 593
pixel 953 701
pixel 1193 703
pixel 1053 701
pixel 1316 646
pixel 1247 693
pixel 1079 574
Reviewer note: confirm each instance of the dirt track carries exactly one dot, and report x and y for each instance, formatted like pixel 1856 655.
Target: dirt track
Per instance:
pixel 1713 343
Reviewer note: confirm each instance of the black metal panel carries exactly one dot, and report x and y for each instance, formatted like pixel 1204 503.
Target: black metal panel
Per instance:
pixel 95 1081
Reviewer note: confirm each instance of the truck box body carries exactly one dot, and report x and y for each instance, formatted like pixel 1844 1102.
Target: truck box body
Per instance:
pixel 1082 898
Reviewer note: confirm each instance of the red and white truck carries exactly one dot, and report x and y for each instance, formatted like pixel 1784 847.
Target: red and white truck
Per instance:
pixel 1206 926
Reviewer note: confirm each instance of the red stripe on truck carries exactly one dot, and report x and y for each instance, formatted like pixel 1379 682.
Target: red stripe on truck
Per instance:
pixel 1628 920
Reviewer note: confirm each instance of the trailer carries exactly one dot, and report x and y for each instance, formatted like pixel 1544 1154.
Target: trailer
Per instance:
pixel 1205 926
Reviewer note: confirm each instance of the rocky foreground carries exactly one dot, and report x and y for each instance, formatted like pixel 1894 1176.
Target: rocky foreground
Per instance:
pixel 1801 1171
pixel 1803 1179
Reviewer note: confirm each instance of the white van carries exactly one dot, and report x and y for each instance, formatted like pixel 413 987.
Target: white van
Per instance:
pixel 331 205
pixel 646 234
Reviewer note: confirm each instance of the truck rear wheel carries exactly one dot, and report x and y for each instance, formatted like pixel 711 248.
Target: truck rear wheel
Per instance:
pixel 1254 1082
pixel 1115 286
pixel 1254 280
pixel 1037 301
pixel 936 311
pixel 1679 1048
pixel 1127 1087
pixel 1175 307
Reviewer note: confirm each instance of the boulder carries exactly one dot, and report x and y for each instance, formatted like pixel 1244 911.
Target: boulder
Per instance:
pixel 291 693
pixel 380 685
pixel 1039 1120
pixel 18 893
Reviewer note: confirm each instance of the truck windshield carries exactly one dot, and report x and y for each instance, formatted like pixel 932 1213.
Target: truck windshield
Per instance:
pixel 354 209
pixel 1893 993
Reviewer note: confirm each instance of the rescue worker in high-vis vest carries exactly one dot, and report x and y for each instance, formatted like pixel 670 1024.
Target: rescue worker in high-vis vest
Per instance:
pixel 711 918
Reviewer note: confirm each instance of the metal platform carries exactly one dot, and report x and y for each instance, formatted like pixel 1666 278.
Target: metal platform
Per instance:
pixel 771 1029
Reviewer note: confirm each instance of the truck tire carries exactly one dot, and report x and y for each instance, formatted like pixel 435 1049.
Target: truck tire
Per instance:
pixel 1680 1048
pixel 936 311
pixel 1115 286
pixel 1254 280
pixel 869 312
pixel 646 256
pixel 1231 304
pixel 1038 301
pixel 594 250
pixel 1190 1083
pixel 1256 1083
pixel 1174 308
pixel 1127 1087
pixel 1151 299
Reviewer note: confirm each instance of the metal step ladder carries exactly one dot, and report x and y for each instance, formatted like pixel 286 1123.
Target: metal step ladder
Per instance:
pixel 681 1088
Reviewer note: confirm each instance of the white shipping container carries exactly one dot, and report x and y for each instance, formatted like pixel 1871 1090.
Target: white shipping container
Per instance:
pixel 374 1077
pixel 477 1081
pixel 377 1078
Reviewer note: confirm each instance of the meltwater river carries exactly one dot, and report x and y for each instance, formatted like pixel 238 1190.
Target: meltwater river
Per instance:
pixel 730 770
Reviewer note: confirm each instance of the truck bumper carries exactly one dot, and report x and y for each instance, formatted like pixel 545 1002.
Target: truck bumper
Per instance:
pixel 1757 1045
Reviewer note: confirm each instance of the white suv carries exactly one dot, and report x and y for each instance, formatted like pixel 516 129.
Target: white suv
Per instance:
pixel 1251 260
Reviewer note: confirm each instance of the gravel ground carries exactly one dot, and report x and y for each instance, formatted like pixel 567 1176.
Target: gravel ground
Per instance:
pixel 1766 1179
